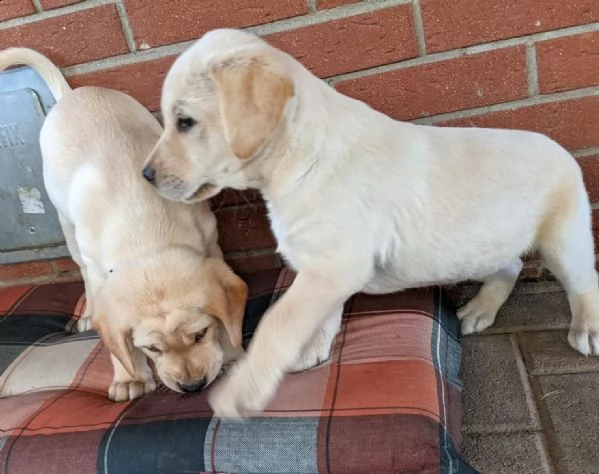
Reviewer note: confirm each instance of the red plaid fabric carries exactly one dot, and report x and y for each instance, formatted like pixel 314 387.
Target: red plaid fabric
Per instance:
pixel 387 401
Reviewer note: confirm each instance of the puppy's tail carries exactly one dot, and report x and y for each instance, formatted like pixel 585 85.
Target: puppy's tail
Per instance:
pixel 41 64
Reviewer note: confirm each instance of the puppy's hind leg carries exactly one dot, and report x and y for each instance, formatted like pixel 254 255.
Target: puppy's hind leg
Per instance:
pixel 567 249
pixel 68 229
pixel 480 312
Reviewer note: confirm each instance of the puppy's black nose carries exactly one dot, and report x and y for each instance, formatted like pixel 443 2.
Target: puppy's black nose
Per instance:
pixel 150 174
pixel 193 387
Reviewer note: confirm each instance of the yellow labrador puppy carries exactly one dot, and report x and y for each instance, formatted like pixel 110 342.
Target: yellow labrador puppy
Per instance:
pixel 361 202
pixel 155 281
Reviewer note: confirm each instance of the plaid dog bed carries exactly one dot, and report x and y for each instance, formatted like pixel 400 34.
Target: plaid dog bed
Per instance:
pixel 388 401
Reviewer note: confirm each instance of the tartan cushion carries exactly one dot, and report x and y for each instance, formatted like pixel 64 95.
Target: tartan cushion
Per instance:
pixel 388 400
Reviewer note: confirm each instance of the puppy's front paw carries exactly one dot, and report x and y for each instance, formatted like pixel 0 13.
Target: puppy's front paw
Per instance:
pixel 477 315
pixel 584 340
pixel 129 390
pixel 84 324
pixel 242 391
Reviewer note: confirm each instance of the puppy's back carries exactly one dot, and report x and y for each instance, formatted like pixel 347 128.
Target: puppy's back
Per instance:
pixel 98 126
pixel 94 143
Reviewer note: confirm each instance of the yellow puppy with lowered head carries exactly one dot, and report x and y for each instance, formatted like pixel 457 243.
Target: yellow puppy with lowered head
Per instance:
pixel 155 282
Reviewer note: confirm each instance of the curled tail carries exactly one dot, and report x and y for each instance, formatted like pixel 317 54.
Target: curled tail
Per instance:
pixel 41 64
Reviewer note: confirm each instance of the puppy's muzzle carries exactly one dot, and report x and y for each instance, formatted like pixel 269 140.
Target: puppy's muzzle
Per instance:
pixel 192 387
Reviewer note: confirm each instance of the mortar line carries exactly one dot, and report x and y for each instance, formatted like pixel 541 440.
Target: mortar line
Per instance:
pixel 45 14
pixel 37 4
pixel 502 429
pixel 532 69
pixel 311 5
pixel 419 27
pixel 503 106
pixel 552 447
pixel 127 30
pixel 260 30
pixel 307 19
pixel 139 56
pixel 323 16
pixel 530 398
pixel 583 153
pixel 530 402
pixel 240 205
pixel 317 18
pixel 251 252
pixel 469 50
pixel 503 331
pixel 570 371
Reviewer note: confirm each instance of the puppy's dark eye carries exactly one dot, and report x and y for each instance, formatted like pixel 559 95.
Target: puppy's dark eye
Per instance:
pixel 185 123
pixel 153 349
pixel 200 335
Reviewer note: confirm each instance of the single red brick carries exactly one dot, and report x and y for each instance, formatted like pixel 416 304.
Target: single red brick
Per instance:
pixel 231 197
pixel 64 265
pixel 244 228
pixel 572 122
pixel 444 86
pixel 326 4
pixel 568 63
pixel 248 263
pixel 50 4
pixel 159 23
pixel 353 43
pixel 456 23
pixel 76 38
pixel 25 270
pixel 15 9
pixel 142 80
pixel 590 172
pixel 530 272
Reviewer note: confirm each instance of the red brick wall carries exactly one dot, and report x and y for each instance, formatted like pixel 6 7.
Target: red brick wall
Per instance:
pixel 530 64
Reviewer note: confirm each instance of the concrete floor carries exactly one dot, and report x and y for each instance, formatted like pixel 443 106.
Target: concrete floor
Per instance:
pixel 531 403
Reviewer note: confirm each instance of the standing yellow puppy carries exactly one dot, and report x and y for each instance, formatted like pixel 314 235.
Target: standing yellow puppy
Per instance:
pixel 361 202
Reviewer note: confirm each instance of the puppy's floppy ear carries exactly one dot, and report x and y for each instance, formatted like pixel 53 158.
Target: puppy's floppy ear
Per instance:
pixel 253 91
pixel 227 296
pixel 115 338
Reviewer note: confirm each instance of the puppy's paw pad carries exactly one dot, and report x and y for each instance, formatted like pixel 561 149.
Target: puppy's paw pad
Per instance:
pixel 84 324
pixel 125 391
pixel 585 341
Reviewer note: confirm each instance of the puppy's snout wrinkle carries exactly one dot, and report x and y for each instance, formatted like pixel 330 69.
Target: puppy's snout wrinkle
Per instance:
pixel 149 174
pixel 194 386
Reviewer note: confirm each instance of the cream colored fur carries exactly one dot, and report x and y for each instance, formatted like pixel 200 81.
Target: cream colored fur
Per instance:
pixel 361 202
pixel 155 282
